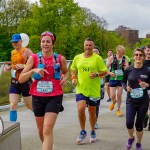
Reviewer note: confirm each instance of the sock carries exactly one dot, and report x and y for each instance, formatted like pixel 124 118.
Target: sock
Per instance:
pixel 13 115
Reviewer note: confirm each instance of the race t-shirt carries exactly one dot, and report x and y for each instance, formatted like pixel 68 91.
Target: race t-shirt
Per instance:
pixel 147 63
pixel 84 66
pixel 118 72
pixel 133 76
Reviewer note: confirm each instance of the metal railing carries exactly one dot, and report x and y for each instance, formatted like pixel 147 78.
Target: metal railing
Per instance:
pixel 5 83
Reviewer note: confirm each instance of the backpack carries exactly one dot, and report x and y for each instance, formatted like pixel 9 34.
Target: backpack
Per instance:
pixel 115 64
pixel 41 64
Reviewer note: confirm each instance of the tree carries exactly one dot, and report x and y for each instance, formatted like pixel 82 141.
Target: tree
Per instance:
pixel 142 42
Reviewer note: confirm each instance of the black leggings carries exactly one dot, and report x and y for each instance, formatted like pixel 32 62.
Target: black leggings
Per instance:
pixel 138 110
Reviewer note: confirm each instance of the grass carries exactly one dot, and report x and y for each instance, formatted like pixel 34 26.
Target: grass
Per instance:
pixel 5 83
pixel 4 87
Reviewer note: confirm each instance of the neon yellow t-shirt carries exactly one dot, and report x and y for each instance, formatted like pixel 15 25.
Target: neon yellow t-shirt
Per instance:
pixel 84 66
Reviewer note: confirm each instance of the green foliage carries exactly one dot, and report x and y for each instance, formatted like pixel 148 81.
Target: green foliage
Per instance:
pixel 4 82
pixel 142 42
pixel 5 48
pixel 69 22
pixel 34 44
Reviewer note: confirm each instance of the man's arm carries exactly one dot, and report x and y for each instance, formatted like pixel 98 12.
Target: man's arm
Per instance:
pixel 73 77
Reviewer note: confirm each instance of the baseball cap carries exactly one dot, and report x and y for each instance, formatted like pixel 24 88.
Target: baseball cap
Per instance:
pixel 15 38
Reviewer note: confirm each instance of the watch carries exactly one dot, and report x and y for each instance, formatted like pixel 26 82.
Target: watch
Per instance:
pixel 97 74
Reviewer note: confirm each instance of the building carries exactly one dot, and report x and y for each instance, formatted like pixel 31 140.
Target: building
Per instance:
pixel 130 35
pixel 148 35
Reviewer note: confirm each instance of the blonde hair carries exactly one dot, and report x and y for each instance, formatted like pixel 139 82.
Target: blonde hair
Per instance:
pixel 120 47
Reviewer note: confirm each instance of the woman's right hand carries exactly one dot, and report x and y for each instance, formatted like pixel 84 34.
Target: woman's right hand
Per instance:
pixel 74 81
pixel 40 71
pixel 7 68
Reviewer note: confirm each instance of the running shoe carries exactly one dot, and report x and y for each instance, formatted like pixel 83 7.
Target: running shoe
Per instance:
pixel 111 107
pixel 109 100
pixel 145 121
pixel 138 146
pixel 96 126
pixel 81 138
pixel 129 143
pixel 118 113
pixel 92 137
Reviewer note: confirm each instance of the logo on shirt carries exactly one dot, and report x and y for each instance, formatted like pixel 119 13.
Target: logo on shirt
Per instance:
pixel 144 76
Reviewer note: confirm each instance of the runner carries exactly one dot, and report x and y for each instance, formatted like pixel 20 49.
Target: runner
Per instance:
pixel 86 70
pixel 46 90
pixel 147 63
pixel 96 50
pixel 136 81
pixel 118 63
pixel 19 57
pixel 109 54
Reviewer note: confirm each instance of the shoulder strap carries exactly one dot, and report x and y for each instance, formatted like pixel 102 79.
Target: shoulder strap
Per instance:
pixel 39 57
pixel 56 57
pixel 114 64
pixel 123 62
pixel 123 59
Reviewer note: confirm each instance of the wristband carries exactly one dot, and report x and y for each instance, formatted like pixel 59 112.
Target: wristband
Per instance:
pixel 74 77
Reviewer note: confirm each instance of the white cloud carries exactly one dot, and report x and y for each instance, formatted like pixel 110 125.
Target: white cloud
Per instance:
pixel 130 13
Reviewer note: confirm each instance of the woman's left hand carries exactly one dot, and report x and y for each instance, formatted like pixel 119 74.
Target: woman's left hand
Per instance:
pixel 63 80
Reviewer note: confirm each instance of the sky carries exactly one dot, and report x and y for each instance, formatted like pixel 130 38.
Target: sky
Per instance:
pixel 130 13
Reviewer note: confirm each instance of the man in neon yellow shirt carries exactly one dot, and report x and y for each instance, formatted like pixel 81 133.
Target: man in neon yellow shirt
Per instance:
pixel 86 70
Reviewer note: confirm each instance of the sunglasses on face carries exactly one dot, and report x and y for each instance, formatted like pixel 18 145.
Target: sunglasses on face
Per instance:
pixel 138 55
pixel 48 34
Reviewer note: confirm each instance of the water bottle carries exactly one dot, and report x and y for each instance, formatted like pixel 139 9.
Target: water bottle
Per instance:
pixel 6 68
pixel 36 76
pixel 139 81
pixel 57 71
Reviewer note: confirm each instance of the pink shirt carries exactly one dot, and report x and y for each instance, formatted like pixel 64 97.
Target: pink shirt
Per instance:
pixel 49 66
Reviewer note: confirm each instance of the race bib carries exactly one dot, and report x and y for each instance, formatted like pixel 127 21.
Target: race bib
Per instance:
pixel 119 72
pixel 44 86
pixel 136 93
pixel 13 73
pixel 101 81
pixel 94 99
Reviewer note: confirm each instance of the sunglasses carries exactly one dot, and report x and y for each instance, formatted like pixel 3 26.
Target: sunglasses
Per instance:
pixel 48 34
pixel 138 55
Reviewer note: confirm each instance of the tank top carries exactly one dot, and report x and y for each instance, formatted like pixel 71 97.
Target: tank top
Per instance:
pixel 17 58
pixel 51 86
